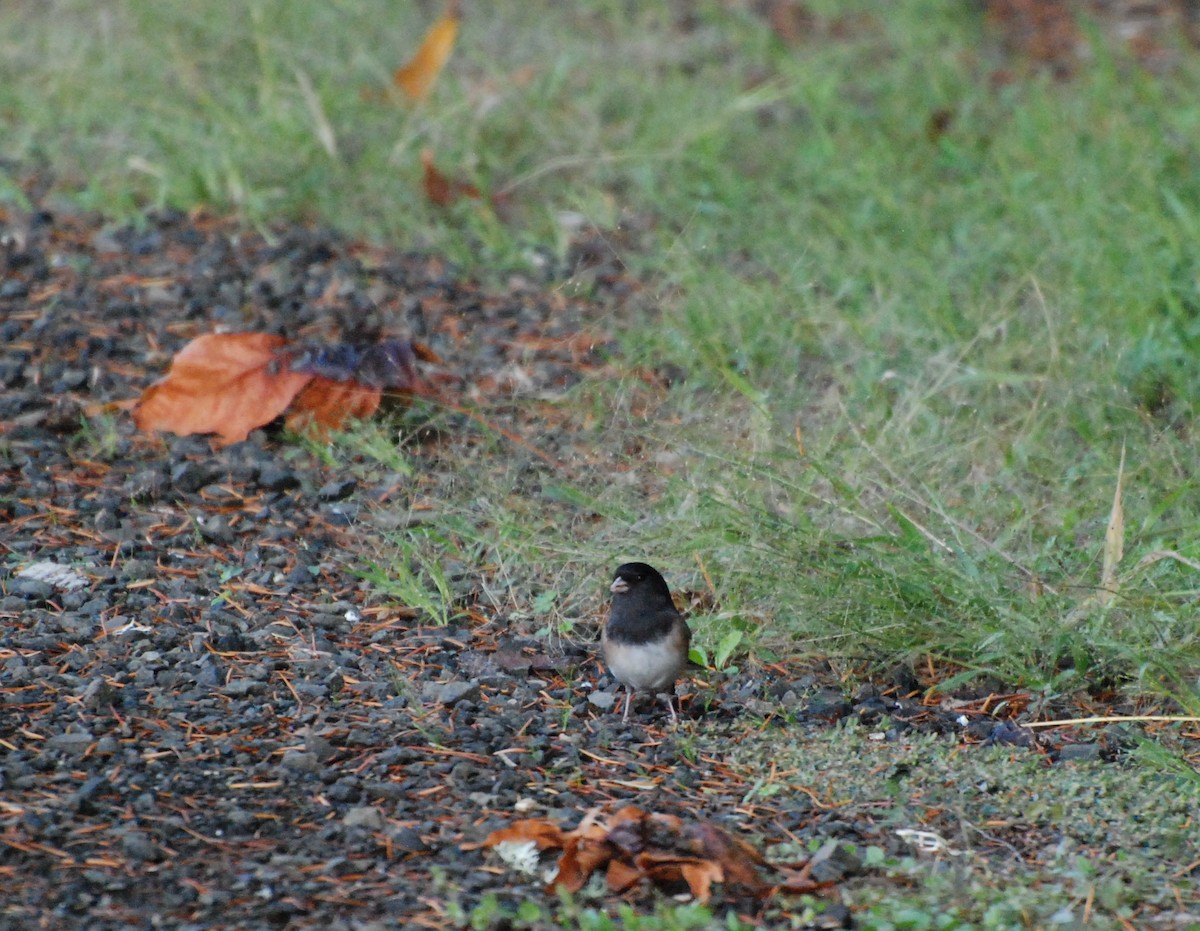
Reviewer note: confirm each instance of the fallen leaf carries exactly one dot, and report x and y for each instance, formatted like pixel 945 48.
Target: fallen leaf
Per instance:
pixel 545 834
pixel 441 190
pixel 738 859
pixel 1041 31
pixel 790 19
pixel 326 405
pixel 417 76
pixel 222 383
pixel 700 875
pixel 581 857
pixel 622 877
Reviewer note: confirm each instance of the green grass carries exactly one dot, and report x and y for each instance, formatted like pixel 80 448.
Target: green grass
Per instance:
pixel 963 331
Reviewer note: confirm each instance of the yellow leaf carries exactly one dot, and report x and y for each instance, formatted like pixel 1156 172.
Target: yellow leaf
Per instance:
pixel 417 77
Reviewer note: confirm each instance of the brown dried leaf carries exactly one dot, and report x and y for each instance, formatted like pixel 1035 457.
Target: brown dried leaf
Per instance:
pixel 440 189
pixel 622 877
pixel 326 405
pixel 700 875
pixel 222 383
pixel 1042 31
pixel 581 857
pixel 798 882
pixel 737 858
pixel 791 20
pixel 546 834
pixel 628 814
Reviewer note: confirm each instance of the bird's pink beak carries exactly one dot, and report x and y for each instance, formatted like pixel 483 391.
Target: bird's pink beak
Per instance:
pixel 619 586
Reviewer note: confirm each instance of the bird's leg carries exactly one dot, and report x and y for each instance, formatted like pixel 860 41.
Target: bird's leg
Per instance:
pixel 671 708
pixel 629 693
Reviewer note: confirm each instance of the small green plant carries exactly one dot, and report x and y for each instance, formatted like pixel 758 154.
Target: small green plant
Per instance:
pixel 99 435
pixel 226 575
pixel 416 576
pixel 378 442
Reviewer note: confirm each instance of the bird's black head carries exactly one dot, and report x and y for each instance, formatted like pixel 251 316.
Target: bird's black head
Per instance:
pixel 638 574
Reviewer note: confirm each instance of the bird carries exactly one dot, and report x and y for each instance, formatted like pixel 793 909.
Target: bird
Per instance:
pixel 645 641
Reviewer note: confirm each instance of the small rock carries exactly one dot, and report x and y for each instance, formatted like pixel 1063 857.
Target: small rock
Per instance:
pixel 240 688
pixel 98 693
pixel 386 790
pixel 214 528
pixel 300 761
pixel 276 478
pixel 834 861
pixel 602 700
pixel 409 841
pixel 189 477
pixel 317 744
pixel 146 485
pixel 82 798
pixel 452 693
pixel 364 816
pixel 13 288
pixel 337 490
pixel 71 741
pixel 1009 734
pixel 137 845
pixel 31 589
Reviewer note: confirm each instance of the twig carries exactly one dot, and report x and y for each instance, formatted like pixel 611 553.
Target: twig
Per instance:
pixel 1117 719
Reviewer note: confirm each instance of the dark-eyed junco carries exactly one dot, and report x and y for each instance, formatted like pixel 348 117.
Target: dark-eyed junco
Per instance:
pixel 646 640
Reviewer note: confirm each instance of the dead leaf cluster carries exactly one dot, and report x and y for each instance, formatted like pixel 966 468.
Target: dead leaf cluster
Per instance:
pixel 634 847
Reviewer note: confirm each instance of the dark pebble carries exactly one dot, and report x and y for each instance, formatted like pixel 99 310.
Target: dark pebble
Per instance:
pixel 31 589
pixel 337 490
pixel 189 477
pixel 215 529
pixel 275 478
pixel 300 761
pixel 834 862
pixel 139 847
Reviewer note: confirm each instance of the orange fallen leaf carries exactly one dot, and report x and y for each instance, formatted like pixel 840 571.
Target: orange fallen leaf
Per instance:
pixel 622 877
pixel 581 857
pixel 417 76
pixel 737 857
pixel 700 875
pixel 222 383
pixel 326 405
pixel 545 834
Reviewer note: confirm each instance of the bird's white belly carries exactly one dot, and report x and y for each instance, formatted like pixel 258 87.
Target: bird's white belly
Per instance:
pixel 644 666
